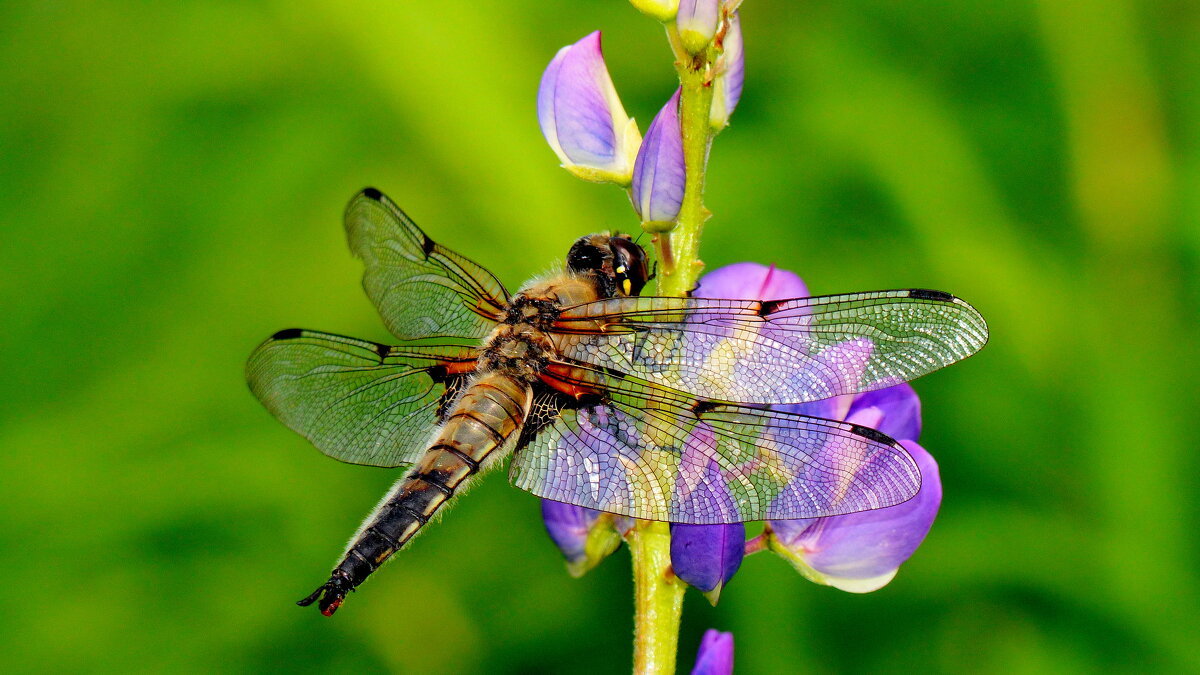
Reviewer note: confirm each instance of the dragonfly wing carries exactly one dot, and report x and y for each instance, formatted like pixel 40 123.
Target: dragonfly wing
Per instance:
pixel 652 453
pixel 357 401
pixel 421 289
pixel 781 351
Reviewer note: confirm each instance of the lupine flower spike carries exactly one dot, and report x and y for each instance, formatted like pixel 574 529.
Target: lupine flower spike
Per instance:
pixel 582 118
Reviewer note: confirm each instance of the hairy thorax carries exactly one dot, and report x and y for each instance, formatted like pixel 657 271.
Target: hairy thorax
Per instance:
pixel 521 346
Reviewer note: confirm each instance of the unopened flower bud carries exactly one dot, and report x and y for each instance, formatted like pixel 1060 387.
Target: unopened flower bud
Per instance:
pixel 658 172
pixel 731 72
pixel 697 23
pixel 584 536
pixel 582 117
pixel 663 10
pixel 715 656
pixel 707 556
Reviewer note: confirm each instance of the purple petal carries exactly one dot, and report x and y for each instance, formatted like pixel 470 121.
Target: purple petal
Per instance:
pixel 579 111
pixel 731 74
pixel 658 172
pixel 707 556
pixel 900 407
pixel 697 23
pixel 569 526
pixel 715 656
pixel 751 281
pixel 860 552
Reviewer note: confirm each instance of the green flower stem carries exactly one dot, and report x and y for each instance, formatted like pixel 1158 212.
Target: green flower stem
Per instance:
pixel 658 599
pixel 658 593
pixel 695 104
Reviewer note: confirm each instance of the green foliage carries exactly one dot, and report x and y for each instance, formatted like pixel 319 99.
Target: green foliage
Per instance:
pixel 171 187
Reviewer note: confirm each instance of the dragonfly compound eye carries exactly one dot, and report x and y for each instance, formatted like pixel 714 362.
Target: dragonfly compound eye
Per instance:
pixel 585 256
pixel 629 265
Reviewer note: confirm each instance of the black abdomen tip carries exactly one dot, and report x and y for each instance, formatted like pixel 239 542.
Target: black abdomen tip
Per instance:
pixel 331 594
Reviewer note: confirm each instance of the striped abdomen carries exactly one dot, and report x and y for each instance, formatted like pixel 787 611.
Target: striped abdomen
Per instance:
pixel 489 413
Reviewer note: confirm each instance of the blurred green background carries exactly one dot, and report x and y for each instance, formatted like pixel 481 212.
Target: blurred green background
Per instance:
pixel 171 185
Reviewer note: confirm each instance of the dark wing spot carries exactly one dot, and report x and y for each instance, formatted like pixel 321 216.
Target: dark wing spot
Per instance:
pixel 702 406
pixel 548 403
pixel 611 372
pixel 768 307
pixel 288 334
pixel 589 400
pixel 924 294
pixel 427 245
pixel 454 387
pixel 871 434
pixel 372 193
pixel 381 350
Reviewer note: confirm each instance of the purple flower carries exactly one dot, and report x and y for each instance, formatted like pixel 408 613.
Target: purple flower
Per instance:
pixel 707 556
pixel 858 552
pixel 731 72
pixel 861 552
pixel 582 117
pixel 658 172
pixel 585 536
pixel 697 23
pixel 715 656
pixel 750 280
pixel 663 10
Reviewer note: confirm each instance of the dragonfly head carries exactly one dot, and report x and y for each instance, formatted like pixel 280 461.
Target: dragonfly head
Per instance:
pixel 617 263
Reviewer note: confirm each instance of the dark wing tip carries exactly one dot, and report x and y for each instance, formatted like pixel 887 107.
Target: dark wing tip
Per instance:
pixel 372 193
pixel 872 434
pixel 972 316
pixel 926 294
pixel 288 334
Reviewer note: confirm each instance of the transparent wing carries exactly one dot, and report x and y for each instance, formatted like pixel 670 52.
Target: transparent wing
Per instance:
pixel 782 351
pixel 357 401
pixel 421 289
pixel 651 453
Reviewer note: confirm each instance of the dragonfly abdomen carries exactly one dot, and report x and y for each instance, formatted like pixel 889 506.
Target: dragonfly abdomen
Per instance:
pixel 489 412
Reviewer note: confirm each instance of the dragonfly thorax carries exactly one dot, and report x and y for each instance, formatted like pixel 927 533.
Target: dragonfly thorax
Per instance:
pixel 520 351
pixel 538 313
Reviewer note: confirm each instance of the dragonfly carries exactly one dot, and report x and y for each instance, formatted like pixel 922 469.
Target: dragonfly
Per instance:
pixel 656 408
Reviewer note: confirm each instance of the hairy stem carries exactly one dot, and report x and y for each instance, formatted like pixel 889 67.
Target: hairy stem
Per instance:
pixel 658 594
pixel 695 104
pixel 658 599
